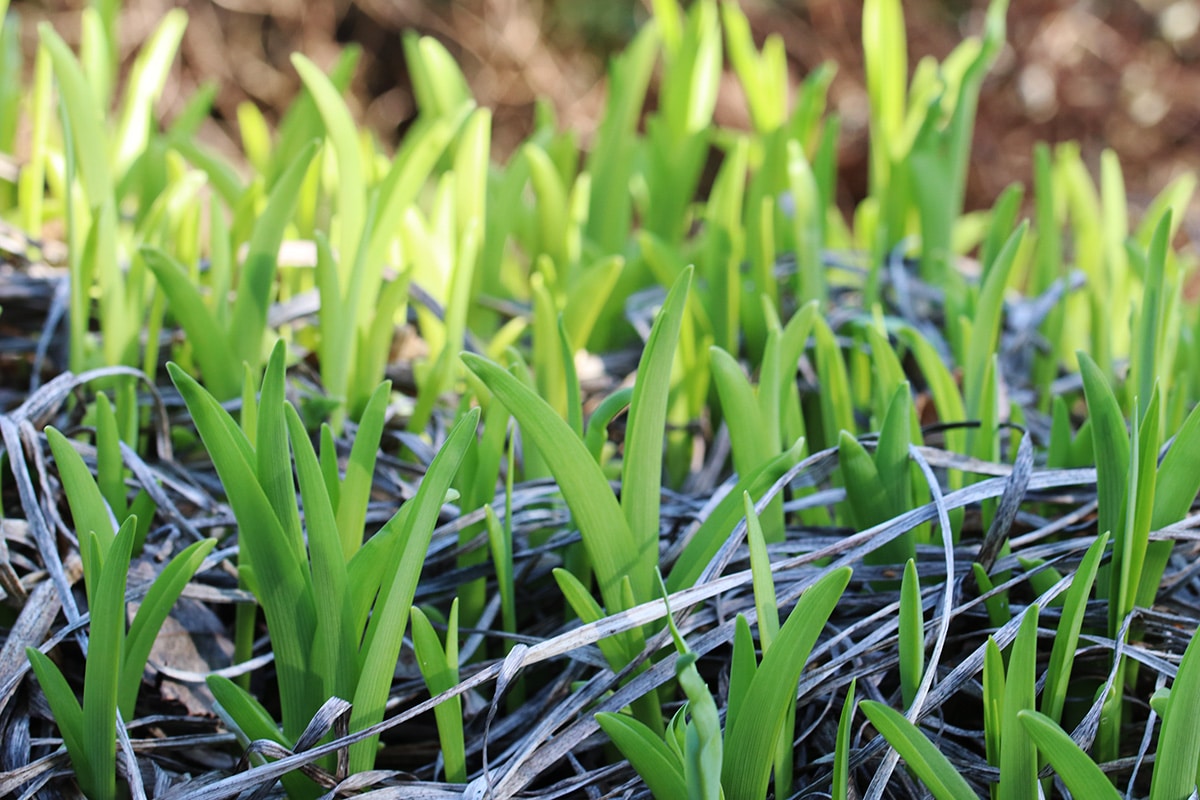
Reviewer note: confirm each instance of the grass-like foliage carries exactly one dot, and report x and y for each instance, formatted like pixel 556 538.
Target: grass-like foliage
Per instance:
pixel 336 609
pixel 116 657
pixel 917 478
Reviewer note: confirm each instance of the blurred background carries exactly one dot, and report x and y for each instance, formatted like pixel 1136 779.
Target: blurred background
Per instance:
pixel 1123 74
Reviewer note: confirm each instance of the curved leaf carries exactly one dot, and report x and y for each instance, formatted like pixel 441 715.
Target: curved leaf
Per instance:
pixel 750 740
pixel 88 509
pixel 1076 769
pixel 343 135
pixel 606 535
pixel 336 640
pixel 929 765
pixel 285 589
pixel 649 755
pixel 150 616
pixel 641 470
pixel 381 645
pixel 1178 756
pixel 258 272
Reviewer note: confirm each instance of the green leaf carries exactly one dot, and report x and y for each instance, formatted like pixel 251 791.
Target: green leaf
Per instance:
pixel 611 159
pixel 249 323
pixel 596 433
pixel 14 84
pixel 865 494
pixel 119 320
pixel 888 370
pixel 617 650
pixel 701 749
pixel 750 739
pixel 1145 358
pixel 739 410
pixel 31 185
pixel 931 767
pixel 551 203
pixel 1018 755
pixel 1178 475
pixel 985 326
pixel 101 680
pixel 439 669
pixel 606 536
pixel 808 225
pixel 912 634
pixel 711 534
pixel 343 135
pixel 284 586
pixel 837 407
pixel 336 639
pixel 84 115
pixel 147 78
pixel 256 136
pixel 355 489
pixel 885 52
pixel 641 470
pixel 1062 656
pixel 336 321
pixel 365 572
pixel 1176 485
pixel 763 78
pixel 548 363
pixel 197 108
pixel 150 616
pixel 221 175
pixel 764 583
pixel 741 670
pixel 946 397
pixel 1082 777
pixel 775 381
pixel 272 464
pixel 302 121
pixel 67 715
pixel 996 604
pixel 993 700
pixel 1002 221
pixel 244 711
pixel 98 49
pixel 1178 757
pixel 458 302
pixel 571 379
pixel 1130 543
pixel 381 645
pixel 768 628
pixel 375 343
pixel 329 466
pixel 500 545
pixel 438 83
pixel 1110 441
pixel 1058 451
pixel 703 746
pixel 587 294
pixel 891 459
pixel 88 509
pixel 941 149
pixel 699 63
pixel 654 761
pixel 424 143
pixel 841 749
pixel 1173 201
pixel 110 469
